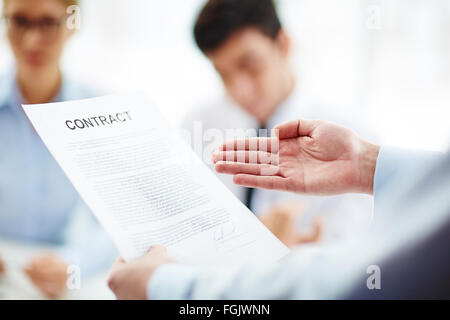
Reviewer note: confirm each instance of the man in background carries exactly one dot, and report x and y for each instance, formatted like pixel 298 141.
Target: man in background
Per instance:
pixel 250 50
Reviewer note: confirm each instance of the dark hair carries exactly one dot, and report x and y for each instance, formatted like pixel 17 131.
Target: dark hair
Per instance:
pixel 219 19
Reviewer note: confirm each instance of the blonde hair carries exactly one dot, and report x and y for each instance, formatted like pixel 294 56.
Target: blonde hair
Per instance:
pixel 67 3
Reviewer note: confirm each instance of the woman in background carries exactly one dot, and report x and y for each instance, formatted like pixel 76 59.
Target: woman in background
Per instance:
pixel 37 202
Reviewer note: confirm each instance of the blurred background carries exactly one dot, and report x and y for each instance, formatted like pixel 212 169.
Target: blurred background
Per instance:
pixel 384 63
pixel 388 61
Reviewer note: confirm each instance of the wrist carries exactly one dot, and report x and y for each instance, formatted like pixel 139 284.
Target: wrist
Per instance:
pixel 367 162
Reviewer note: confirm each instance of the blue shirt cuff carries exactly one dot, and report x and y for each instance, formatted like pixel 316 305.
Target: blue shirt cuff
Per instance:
pixel 388 164
pixel 393 163
pixel 172 282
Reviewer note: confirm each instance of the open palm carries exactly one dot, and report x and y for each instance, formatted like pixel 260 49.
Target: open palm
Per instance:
pixel 308 157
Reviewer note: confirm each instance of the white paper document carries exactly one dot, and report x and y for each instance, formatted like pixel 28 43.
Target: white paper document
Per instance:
pixel 145 184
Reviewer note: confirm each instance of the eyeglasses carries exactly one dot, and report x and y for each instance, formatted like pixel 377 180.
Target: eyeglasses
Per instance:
pixel 48 27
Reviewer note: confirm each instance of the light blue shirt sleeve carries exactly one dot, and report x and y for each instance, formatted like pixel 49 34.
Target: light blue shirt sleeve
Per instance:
pixel 304 274
pixel 393 164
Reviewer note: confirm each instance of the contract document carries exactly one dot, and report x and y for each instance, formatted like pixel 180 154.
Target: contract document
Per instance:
pixel 146 185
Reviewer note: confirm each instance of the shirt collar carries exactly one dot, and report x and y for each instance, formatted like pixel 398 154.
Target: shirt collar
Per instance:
pixel 10 94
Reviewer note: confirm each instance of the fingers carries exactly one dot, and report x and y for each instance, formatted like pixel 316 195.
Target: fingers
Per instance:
pixel 246 168
pixel 50 289
pixel 51 285
pixel 246 157
pixel 296 128
pixel 318 229
pixel 313 236
pixel 251 144
pixel 46 266
pixel 288 130
pixel 288 208
pixel 264 182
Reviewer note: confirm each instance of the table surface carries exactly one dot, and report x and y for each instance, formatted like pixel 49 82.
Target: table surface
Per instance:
pixel 14 284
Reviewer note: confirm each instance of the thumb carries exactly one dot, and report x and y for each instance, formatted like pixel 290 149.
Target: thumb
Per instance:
pixel 157 248
pixel 295 128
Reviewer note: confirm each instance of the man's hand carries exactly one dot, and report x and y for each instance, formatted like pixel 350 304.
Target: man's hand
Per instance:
pixel 129 280
pixel 49 274
pixel 281 220
pixel 312 157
